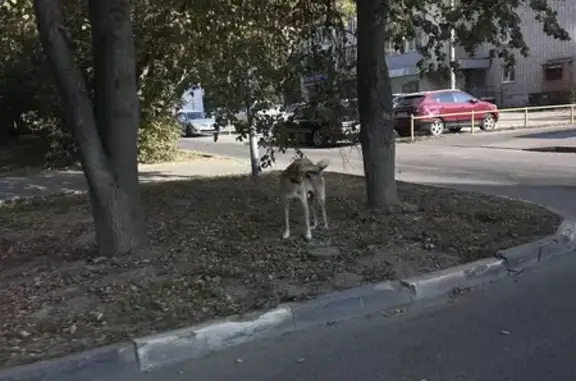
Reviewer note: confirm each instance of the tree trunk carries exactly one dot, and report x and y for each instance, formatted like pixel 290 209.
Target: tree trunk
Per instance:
pixel 112 180
pixel 375 104
pixel 117 103
pixel 253 140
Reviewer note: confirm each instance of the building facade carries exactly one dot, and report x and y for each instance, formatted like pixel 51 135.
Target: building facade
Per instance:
pixel 548 69
pixel 548 72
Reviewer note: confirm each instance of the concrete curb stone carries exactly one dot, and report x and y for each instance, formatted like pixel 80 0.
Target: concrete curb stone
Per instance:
pixel 342 305
pixel 444 281
pixel 187 343
pixel 568 229
pixel 98 364
pixel 530 254
pixel 148 353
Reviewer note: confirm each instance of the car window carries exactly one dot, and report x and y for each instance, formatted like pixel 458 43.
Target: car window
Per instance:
pixel 195 115
pixel 412 100
pixel 181 117
pixel 460 97
pixel 444 97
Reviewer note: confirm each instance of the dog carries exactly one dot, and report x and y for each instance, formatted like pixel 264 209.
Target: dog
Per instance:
pixel 303 180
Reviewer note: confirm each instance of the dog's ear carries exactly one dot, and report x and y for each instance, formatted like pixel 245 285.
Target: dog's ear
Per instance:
pixel 322 164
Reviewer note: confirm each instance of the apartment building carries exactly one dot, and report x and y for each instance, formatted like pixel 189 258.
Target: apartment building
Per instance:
pixel 548 71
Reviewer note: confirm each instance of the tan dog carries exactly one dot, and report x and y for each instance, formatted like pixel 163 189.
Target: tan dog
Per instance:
pixel 302 180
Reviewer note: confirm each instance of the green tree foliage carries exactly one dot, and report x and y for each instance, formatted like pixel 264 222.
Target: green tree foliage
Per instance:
pixel 475 22
pixel 496 24
pixel 29 96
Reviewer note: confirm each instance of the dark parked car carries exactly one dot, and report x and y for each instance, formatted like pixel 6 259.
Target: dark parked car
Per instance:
pixel 430 104
pixel 321 125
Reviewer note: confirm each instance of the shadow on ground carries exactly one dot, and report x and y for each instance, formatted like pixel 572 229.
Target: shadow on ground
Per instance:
pixel 562 134
pixel 48 182
pixel 557 198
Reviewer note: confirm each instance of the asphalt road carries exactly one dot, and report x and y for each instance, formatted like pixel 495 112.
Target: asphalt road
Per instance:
pixel 492 163
pixel 520 329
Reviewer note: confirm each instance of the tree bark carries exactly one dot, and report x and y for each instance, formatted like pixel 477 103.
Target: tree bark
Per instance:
pixel 253 141
pixel 111 178
pixel 375 104
pixel 117 103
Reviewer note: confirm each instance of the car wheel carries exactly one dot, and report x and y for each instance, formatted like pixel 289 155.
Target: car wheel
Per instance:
pixel 488 123
pixel 189 132
pixel 456 130
pixel 319 139
pixel 436 127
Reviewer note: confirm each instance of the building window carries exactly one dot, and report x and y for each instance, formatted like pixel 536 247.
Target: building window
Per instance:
pixel 409 45
pixel 553 73
pixel 508 74
pixel 389 48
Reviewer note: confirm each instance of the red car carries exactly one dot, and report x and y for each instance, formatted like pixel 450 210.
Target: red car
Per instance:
pixel 428 104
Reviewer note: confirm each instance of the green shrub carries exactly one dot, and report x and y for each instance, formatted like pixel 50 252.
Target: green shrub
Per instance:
pixel 158 140
pixel 241 127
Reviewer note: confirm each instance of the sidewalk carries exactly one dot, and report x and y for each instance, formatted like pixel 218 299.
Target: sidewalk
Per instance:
pixel 72 181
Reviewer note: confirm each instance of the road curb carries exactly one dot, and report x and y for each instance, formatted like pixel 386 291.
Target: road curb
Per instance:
pixel 445 281
pixel 197 341
pixel 98 364
pixel 342 305
pixel 151 352
pixel 522 257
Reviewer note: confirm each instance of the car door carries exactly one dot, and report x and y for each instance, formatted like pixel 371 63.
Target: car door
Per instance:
pixel 182 119
pixel 447 105
pixel 466 103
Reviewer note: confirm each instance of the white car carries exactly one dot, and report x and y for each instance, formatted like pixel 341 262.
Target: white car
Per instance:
pixel 195 123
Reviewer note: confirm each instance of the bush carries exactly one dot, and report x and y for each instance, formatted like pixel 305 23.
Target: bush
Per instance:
pixel 158 140
pixel 241 127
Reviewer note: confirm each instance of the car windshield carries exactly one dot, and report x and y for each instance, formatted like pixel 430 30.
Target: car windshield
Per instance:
pixel 195 115
pixel 411 100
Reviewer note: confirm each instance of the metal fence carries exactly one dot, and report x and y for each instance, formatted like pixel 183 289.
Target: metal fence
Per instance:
pixel 511 118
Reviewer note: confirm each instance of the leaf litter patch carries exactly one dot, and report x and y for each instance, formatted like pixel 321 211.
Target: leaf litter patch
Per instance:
pixel 218 252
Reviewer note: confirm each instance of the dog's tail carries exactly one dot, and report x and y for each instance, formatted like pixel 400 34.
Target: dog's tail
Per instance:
pixel 322 164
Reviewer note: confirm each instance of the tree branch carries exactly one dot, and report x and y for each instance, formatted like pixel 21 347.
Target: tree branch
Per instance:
pixel 71 85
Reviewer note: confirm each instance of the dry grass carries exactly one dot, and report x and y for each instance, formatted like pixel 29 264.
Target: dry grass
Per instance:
pixel 219 253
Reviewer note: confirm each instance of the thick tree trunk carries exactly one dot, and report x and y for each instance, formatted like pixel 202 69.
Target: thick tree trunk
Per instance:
pixel 117 102
pixel 375 104
pixel 111 181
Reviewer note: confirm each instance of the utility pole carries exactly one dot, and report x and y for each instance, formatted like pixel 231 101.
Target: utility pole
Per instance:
pixel 452 54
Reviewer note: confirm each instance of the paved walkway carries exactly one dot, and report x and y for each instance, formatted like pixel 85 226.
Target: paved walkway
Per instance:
pixel 55 182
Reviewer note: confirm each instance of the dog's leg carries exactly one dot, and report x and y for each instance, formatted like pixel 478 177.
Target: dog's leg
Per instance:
pixel 322 203
pixel 314 214
pixel 286 234
pixel 308 234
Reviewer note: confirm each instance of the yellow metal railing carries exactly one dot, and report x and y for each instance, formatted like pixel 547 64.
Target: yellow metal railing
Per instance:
pixel 473 114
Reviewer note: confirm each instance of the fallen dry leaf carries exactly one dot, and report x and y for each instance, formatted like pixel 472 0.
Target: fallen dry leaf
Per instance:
pixel 219 252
